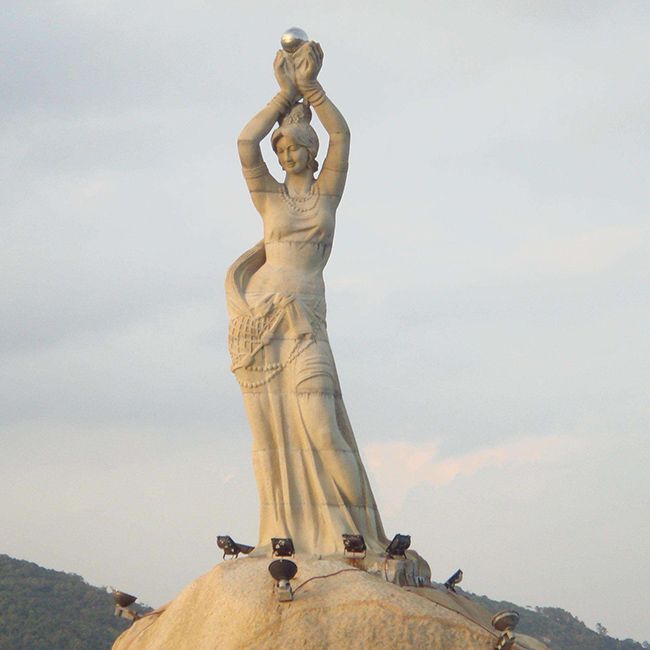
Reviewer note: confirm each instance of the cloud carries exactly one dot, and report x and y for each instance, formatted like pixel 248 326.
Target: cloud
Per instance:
pixel 585 253
pixel 411 464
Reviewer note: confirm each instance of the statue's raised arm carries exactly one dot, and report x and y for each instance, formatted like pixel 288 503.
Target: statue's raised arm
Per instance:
pixel 308 61
pixel 256 173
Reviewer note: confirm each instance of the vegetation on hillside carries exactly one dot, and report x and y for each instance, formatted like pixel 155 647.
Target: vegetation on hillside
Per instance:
pixel 41 609
pixel 558 629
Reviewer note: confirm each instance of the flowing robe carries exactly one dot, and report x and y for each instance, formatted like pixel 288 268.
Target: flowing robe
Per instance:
pixel 311 481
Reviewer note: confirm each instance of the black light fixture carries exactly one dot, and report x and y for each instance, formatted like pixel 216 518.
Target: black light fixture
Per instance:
pixel 398 546
pixel 230 547
pixel 506 619
pixel 282 546
pixel 453 580
pixel 354 545
pixel 283 571
pixel 122 601
pixel 505 622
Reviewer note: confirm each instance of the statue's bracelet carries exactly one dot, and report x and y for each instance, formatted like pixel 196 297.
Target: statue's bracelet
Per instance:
pixel 314 94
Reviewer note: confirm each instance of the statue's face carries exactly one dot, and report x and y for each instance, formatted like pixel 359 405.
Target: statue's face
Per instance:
pixel 293 157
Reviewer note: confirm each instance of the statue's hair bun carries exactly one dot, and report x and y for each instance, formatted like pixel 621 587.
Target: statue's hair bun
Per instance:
pixel 300 113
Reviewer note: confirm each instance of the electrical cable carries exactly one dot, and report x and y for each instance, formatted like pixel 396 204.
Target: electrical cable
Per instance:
pixel 329 575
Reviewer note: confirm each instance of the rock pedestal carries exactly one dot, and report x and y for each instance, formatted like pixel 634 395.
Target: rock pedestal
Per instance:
pixel 235 606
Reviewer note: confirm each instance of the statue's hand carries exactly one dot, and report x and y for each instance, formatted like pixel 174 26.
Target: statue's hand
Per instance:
pixel 308 61
pixel 285 75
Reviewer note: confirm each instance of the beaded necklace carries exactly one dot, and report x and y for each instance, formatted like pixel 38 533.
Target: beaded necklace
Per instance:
pixel 302 203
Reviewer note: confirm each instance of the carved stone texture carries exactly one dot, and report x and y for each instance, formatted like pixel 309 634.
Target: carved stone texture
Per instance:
pixel 311 481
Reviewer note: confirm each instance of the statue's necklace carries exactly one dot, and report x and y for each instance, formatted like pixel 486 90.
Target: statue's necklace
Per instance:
pixel 302 203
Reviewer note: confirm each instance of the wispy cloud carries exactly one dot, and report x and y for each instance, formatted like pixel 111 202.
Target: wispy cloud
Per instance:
pixel 417 464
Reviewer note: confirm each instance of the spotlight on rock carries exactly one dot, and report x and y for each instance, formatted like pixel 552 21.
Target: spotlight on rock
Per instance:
pixel 122 601
pixel 354 545
pixel 230 547
pixel 505 622
pixel 282 546
pixel 453 580
pixel 398 546
pixel 283 571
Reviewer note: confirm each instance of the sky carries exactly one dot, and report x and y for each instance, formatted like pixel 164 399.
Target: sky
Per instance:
pixel 488 292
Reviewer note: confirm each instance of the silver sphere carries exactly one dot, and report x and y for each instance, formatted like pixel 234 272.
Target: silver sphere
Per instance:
pixel 293 38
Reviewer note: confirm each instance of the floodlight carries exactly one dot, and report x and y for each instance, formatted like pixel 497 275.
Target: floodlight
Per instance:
pixel 505 622
pixel 230 547
pixel 354 544
pixel 453 580
pixel 122 602
pixel 398 545
pixel 123 599
pixel 282 546
pixel 283 571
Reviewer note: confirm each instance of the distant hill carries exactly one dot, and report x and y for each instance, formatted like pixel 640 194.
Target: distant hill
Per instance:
pixel 558 629
pixel 42 609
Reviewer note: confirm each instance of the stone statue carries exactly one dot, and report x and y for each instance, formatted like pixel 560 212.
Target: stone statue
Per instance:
pixel 311 481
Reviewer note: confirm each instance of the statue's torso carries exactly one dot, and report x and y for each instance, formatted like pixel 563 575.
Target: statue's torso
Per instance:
pixel 298 241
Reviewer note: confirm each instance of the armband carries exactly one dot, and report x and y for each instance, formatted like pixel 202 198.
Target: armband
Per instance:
pixel 255 172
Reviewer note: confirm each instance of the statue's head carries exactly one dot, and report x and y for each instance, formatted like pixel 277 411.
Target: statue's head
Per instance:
pixel 295 142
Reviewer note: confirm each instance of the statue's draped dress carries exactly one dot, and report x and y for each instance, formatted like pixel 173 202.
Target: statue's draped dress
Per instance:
pixel 311 481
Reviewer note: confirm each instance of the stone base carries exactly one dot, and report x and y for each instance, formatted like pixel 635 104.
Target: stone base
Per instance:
pixel 235 606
